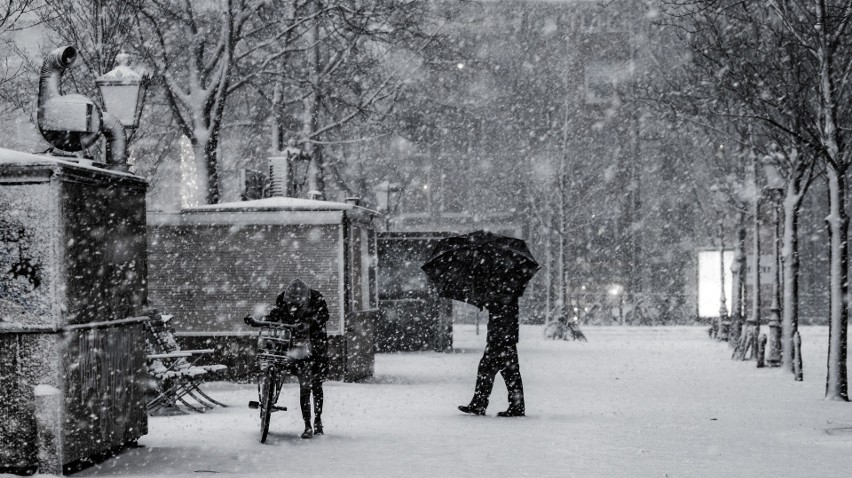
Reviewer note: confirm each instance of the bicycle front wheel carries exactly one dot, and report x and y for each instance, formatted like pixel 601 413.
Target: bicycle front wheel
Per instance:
pixel 267 401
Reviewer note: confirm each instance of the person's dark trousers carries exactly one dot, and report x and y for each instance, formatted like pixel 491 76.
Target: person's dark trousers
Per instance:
pixel 316 389
pixel 305 398
pixel 501 358
pixel 311 386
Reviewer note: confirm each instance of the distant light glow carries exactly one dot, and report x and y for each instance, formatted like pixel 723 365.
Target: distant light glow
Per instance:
pixel 188 174
pixel 460 66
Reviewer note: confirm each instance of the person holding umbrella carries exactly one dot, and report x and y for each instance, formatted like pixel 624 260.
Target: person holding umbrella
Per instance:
pixel 491 271
pixel 501 355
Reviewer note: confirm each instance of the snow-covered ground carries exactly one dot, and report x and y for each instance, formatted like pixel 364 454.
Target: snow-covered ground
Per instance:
pixel 632 402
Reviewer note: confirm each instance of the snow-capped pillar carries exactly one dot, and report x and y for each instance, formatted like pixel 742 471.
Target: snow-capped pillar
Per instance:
pixel 73 265
pixel 48 404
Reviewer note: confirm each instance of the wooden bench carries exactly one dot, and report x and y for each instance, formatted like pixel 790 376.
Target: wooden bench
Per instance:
pixel 175 374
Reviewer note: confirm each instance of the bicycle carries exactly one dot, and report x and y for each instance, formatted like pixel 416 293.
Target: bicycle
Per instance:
pixel 276 355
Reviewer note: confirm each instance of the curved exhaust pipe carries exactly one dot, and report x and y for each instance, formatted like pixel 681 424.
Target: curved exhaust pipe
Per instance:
pixel 68 122
pixel 52 69
pixel 116 146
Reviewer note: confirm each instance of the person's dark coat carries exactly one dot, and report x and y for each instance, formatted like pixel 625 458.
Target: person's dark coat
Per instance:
pixel 312 316
pixel 500 355
pixel 502 322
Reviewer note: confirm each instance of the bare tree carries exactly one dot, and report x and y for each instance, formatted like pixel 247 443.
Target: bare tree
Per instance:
pixel 196 49
pixel 14 68
pixel 354 61
pixel 98 29
pixel 11 12
pixel 785 64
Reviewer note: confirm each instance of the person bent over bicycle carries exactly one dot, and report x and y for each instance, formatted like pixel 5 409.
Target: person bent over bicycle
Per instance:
pixel 305 308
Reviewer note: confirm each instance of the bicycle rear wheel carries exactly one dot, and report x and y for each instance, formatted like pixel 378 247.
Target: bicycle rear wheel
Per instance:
pixel 267 401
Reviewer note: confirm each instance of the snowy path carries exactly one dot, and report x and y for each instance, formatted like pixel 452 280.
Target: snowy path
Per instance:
pixel 632 402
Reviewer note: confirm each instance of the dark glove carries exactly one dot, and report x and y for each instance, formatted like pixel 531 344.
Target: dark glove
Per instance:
pixel 248 319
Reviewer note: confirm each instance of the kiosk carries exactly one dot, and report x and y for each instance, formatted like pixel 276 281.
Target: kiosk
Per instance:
pixel 213 265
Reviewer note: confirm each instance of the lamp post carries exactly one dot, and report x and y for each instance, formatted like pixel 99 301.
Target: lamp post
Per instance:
pixel 392 188
pixel 723 326
pixel 123 95
pixel 299 164
pixel 288 170
pixel 617 291
pixel 751 331
pixel 73 122
pixel 123 92
pixel 775 183
pixel 724 320
pixel 383 192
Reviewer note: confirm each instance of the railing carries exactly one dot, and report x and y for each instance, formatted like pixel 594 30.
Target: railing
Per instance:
pixel 13 328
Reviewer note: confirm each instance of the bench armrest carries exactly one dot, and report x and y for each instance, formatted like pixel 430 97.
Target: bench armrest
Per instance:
pixel 169 355
pixel 199 351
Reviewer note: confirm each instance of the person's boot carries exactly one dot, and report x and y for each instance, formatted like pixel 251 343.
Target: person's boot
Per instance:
pixel 318 400
pixel 472 410
pixel 516 406
pixel 305 405
pixel 512 412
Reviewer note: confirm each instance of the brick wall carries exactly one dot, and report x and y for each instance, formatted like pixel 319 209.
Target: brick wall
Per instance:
pixel 211 276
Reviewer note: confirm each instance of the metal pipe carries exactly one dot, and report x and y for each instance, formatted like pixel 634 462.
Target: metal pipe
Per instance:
pixel 52 69
pixel 68 122
pixel 116 145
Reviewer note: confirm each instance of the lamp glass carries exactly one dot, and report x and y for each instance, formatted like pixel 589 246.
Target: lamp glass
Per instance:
pixel 123 92
pixel 301 164
pixel 121 101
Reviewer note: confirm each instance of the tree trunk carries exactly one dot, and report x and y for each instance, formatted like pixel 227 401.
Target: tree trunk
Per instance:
pixel 738 270
pixel 790 262
pixel 838 225
pixel 562 186
pixel 560 283
pixel 276 119
pixel 548 276
pixel 310 120
pixel 837 220
pixel 211 160
pixel 754 318
pixel 199 194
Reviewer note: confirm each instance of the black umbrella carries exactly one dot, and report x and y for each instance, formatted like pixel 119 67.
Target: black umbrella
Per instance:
pixel 476 267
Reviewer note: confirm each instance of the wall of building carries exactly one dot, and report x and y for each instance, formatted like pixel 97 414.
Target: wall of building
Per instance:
pixel 212 276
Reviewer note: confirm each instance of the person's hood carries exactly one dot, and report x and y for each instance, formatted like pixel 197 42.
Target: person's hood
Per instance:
pixel 297 293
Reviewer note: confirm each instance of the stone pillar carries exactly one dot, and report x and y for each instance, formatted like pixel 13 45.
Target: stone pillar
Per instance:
pixel 48 418
pixel 73 275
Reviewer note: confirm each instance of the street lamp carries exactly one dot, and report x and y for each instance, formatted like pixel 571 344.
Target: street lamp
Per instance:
pixel 73 122
pixel 123 92
pixel 289 170
pixel 722 328
pixel 391 188
pixel 617 290
pixel 775 183
pixel 724 319
pixel 300 164
pixel 748 345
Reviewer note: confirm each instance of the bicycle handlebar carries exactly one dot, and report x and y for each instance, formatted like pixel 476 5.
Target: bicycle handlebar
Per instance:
pixel 251 321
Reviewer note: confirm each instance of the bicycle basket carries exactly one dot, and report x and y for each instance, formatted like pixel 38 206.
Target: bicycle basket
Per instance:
pixel 272 346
